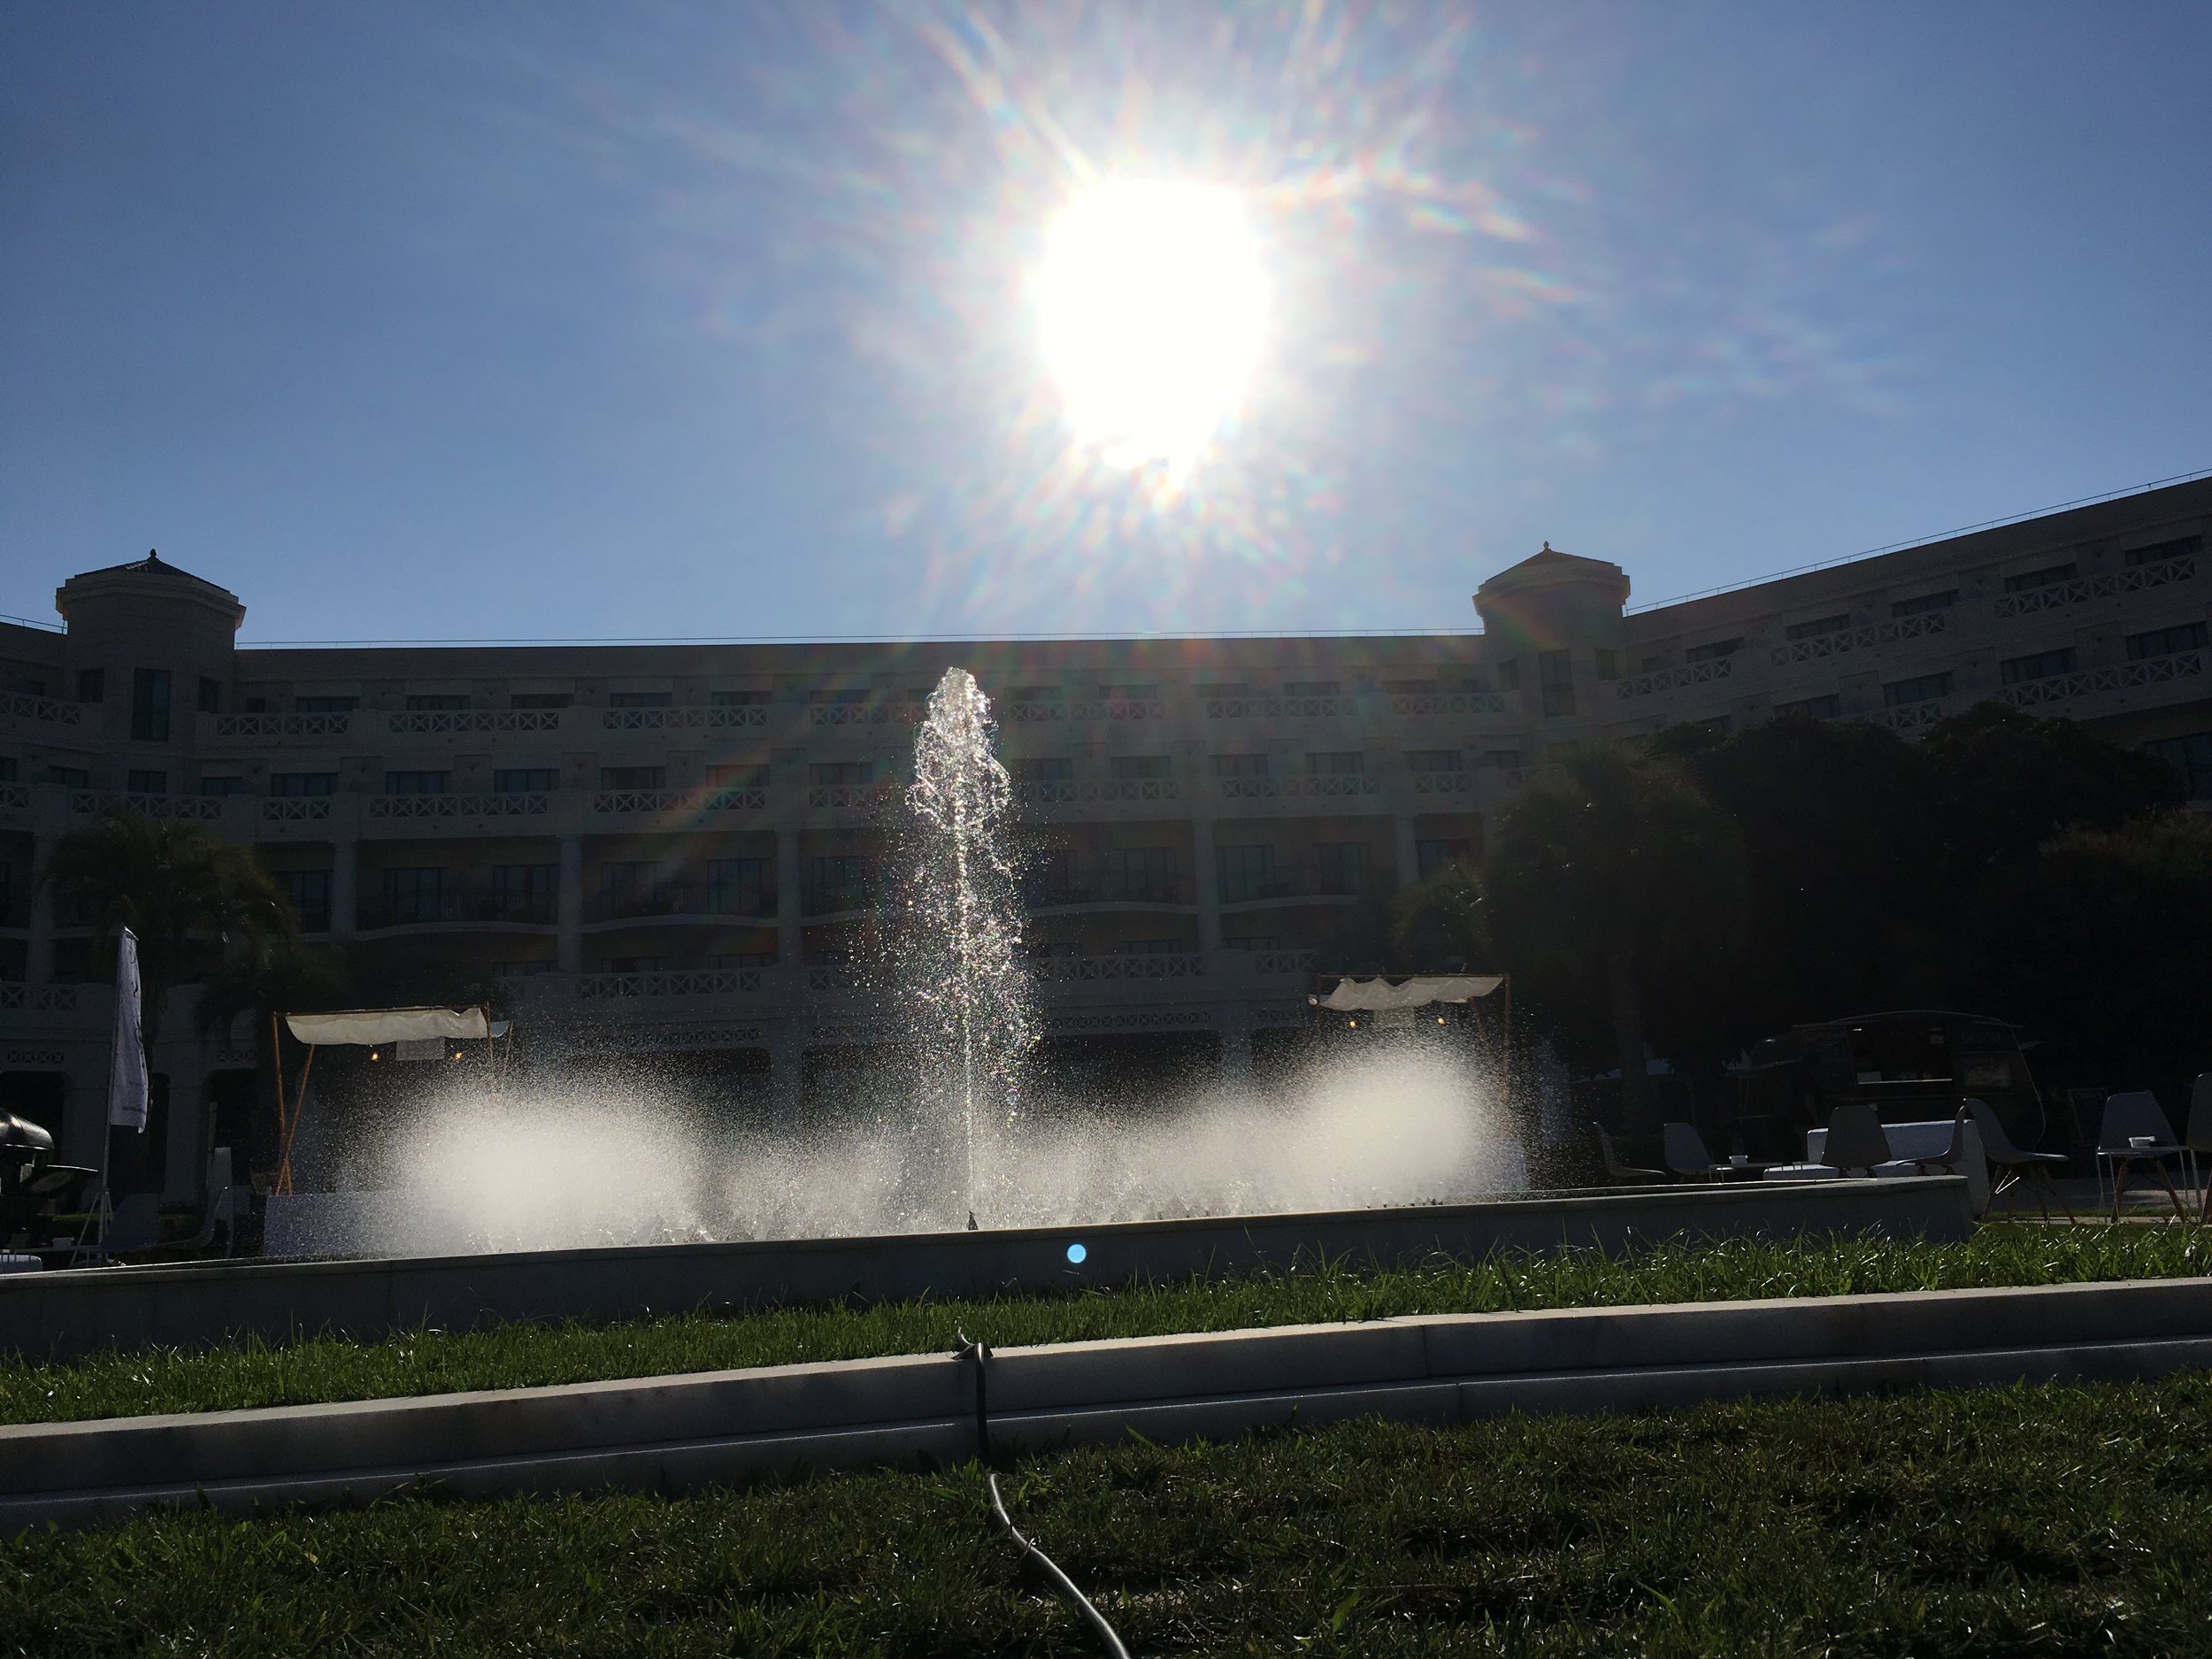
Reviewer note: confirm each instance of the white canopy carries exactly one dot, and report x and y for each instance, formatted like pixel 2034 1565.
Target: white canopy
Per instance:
pixel 376 1025
pixel 1376 995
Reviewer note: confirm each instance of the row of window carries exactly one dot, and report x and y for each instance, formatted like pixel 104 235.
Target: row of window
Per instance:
pixel 1135 691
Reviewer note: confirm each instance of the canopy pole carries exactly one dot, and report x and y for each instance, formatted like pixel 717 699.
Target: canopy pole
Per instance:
pixel 299 1106
pixel 1508 989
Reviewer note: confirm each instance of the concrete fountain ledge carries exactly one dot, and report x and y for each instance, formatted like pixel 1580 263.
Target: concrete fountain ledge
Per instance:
pixel 64 1315
pixel 676 1433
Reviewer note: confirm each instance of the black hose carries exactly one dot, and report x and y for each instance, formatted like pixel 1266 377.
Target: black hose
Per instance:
pixel 981 1356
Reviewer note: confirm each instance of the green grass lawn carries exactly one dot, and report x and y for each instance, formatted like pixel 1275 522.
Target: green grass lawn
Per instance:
pixel 516 1356
pixel 2062 1519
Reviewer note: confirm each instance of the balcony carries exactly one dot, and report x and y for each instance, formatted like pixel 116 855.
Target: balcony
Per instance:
pixel 1660 679
pixel 516 804
pixel 683 900
pixel 1324 785
pixel 1825 645
pixel 721 716
pixel 2056 595
pixel 204 808
pixel 1413 705
pixel 1118 708
pixel 457 906
pixel 1911 717
pixel 2152 671
pixel 278 728
pixel 672 982
pixel 1061 792
pixel 295 809
pixel 1048 891
pixel 710 798
pixel 1443 783
pixel 454 722
pixel 1093 970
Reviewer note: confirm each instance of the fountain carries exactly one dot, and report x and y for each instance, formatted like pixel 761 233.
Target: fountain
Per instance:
pixel 960 986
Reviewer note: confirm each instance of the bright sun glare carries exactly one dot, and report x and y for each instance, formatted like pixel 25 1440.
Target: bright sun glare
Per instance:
pixel 1153 307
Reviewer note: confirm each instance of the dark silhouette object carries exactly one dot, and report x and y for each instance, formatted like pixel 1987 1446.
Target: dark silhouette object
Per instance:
pixel 1855 1140
pixel 2197 1138
pixel 1626 1174
pixel 2017 1165
pixel 2130 1119
pixel 1684 1151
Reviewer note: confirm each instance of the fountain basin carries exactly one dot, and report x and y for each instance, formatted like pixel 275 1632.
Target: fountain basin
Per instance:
pixel 62 1315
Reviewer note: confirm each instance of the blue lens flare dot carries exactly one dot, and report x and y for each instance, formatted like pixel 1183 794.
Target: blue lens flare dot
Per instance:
pixel 1075 1252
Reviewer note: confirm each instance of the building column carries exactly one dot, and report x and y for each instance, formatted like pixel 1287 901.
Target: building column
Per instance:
pixel 787 1062
pixel 569 903
pixel 38 966
pixel 345 885
pixel 1409 851
pixel 789 926
pixel 1208 888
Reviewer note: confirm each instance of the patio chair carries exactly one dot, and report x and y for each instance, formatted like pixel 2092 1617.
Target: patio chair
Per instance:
pixel 2128 1119
pixel 1683 1150
pixel 1627 1174
pixel 1855 1140
pixel 2017 1165
pixel 2197 1138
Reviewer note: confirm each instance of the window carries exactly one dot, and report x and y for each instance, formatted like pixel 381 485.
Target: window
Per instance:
pixel 1141 691
pixel 1554 671
pixel 324 705
pixel 1033 694
pixel 2159 552
pixel 2050 576
pixel 1813 630
pixel 1921 688
pixel 1133 766
pixel 150 705
pixel 1144 874
pixel 1921 604
pixel 741 886
pixel 2191 756
pixel 541 700
pixel 627 886
pixel 1311 688
pixel 1150 948
pixel 253 706
pixel 738 774
pixel 742 959
pixel 308 891
pixel 838 881
pixel 632 964
pixel 848 697
pixel 525 970
pixel 1340 867
pixel 417 782
pixel 526 779
pixel 1509 675
pixel 141 780
pixel 432 702
pixel 2037 666
pixel 1252 942
pixel 92 685
pixel 414 896
pixel 1240 765
pixel 1429 856
pixel 69 777
pixel 1712 651
pixel 1825 708
pixel 1409 687
pixel 1056 948
pixel 211 695
pixel 524 893
pixel 2187 636
pixel 634 777
pixel 1045 769
pixel 1652 665
pixel 224 786
pixel 640 699
pixel 738 699
pixel 845 771
pixel 1335 763
pixel 1608 663
pixel 1501 758
pixel 284 784
pixel 1247 872
pixel 1434 760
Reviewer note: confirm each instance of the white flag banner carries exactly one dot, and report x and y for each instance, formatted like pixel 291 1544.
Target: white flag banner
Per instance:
pixel 126 1067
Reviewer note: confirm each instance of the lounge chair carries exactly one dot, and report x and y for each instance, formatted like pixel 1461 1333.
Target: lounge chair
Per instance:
pixel 2015 1165
pixel 1683 1150
pixel 2129 1118
pixel 1616 1170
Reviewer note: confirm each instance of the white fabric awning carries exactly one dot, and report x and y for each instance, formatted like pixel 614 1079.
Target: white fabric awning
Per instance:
pixel 1376 995
pixel 376 1025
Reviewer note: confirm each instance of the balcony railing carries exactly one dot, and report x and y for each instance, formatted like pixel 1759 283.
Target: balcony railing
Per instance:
pixel 295 809
pixel 682 899
pixel 1675 678
pixel 1821 645
pixel 712 798
pixel 1912 716
pixel 39 999
pixel 516 804
pixel 836 976
pixel 1061 792
pixel 2134 579
pixel 1443 782
pixel 863 798
pixel 1274 963
pixel 901 712
pixel 1288 707
pixel 1409 704
pixel 206 809
pixel 2117 676
pixel 24 706
pixel 670 982
pixel 457 906
pixel 1085 970
pixel 15 794
pixel 434 722
pixel 277 727
pixel 734 714
pixel 1118 708
pixel 1018 713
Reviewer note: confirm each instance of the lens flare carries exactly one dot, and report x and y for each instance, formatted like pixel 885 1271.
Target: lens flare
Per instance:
pixel 1153 309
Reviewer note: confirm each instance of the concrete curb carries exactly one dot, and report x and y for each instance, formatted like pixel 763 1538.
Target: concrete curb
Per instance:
pixel 673 1433
pixel 62 1315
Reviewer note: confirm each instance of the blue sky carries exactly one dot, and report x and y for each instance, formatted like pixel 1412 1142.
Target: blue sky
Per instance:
pixel 586 321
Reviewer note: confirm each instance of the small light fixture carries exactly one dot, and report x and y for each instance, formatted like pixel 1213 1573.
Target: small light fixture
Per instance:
pixel 1077 1252
pixel 374 1055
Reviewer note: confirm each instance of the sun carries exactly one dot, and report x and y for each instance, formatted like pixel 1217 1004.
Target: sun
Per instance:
pixel 1153 309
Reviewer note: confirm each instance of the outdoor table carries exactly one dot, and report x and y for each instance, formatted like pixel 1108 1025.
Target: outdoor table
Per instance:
pixel 2118 1158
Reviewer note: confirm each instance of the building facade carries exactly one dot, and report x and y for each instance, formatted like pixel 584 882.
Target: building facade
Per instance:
pixel 675 848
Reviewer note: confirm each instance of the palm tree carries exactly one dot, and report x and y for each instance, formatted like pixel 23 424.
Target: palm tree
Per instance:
pixel 1611 866
pixel 190 896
